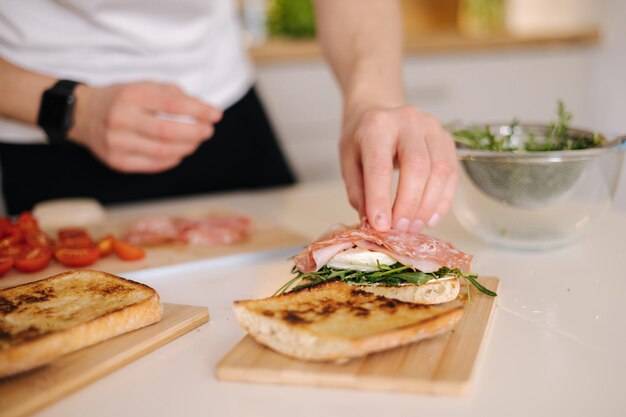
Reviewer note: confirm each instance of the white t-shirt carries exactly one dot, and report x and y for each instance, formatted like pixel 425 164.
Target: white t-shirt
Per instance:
pixel 195 44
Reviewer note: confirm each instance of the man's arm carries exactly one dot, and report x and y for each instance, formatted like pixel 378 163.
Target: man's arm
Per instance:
pixel 120 123
pixel 21 92
pixel 362 40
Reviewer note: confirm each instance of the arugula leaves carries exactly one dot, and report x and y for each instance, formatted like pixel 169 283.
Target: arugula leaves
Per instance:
pixel 558 137
pixel 392 275
pixel 483 138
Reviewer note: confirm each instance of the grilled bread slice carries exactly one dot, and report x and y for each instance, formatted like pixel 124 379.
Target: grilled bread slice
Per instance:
pixel 433 292
pixel 43 320
pixel 335 321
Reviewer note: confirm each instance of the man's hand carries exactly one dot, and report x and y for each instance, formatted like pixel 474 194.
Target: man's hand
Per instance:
pixel 126 125
pixel 424 152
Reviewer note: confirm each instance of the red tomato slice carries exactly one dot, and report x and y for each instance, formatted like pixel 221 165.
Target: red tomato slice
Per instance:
pixel 105 245
pixel 72 232
pixel 13 235
pixel 77 257
pixel 6 263
pixel 38 239
pixel 10 251
pixel 5 223
pixel 26 221
pixel 127 252
pixel 32 259
pixel 75 238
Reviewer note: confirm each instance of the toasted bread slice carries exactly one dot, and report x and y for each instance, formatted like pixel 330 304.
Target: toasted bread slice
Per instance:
pixel 433 292
pixel 45 319
pixel 337 321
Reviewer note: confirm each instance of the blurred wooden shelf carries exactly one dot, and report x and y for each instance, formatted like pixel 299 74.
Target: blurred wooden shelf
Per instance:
pixel 281 50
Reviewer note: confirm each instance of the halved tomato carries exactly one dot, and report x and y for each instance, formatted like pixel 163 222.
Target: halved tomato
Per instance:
pixel 6 263
pixel 77 257
pixel 13 235
pixel 10 251
pixel 38 238
pixel 128 252
pixel 32 259
pixel 75 238
pixel 105 245
pixel 5 223
pixel 26 221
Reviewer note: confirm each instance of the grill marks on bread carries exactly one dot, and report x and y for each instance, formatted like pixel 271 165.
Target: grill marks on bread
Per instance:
pixel 336 321
pixel 38 309
pixel 44 320
pixel 37 295
pixel 360 305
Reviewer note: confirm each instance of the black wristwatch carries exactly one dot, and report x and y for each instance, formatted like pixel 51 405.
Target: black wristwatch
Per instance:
pixel 56 112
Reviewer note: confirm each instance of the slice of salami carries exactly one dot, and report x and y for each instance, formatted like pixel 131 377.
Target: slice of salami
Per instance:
pixel 211 230
pixel 153 230
pixel 216 230
pixel 422 252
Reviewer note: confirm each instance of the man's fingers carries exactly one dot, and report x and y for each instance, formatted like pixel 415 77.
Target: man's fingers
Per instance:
pixel 377 157
pixel 427 162
pixel 447 197
pixel 150 125
pixel 171 99
pixel 139 164
pixel 131 143
pixel 443 166
pixel 414 164
pixel 352 174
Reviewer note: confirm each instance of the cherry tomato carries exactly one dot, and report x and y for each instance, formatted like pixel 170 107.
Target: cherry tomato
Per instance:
pixel 75 238
pixel 13 235
pixel 105 245
pixel 38 239
pixel 127 252
pixel 5 223
pixel 6 263
pixel 77 257
pixel 11 251
pixel 26 221
pixel 32 259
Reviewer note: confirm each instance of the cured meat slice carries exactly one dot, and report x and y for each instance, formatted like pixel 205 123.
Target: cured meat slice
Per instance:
pixel 422 252
pixel 217 230
pixel 211 230
pixel 153 230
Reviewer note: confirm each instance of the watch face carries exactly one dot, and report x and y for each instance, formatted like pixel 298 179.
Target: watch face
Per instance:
pixel 57 109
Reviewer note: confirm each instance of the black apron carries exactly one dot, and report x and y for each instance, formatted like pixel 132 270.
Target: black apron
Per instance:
pixel 242 154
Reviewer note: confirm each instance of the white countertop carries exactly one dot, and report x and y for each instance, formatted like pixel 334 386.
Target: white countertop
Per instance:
pixel 556 345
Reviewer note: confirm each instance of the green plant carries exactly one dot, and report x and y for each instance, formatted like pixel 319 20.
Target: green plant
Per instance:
pixel 558 137
pixel 391 275
pixel 291 18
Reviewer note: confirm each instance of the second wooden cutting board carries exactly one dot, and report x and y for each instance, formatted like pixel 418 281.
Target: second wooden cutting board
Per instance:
pixel 263 237
pixel 443 365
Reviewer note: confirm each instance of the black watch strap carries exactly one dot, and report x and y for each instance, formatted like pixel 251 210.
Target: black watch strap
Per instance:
pixel 65 86
pixel 56 112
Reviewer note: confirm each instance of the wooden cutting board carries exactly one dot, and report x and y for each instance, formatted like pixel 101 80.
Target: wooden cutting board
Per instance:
pixel 24 394
pixel 264 237
pixel 443 365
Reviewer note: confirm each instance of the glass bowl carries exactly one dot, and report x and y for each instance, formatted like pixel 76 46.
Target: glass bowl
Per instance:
pixel 535 200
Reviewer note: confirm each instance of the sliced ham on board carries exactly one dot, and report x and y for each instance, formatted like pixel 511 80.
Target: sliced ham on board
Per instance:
pixel 422 252
pixel 215 229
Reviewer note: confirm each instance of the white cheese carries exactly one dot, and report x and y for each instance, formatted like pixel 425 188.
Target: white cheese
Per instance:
pixel 360 260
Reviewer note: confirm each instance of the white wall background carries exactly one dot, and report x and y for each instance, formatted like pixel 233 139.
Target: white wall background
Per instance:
pixel 607 86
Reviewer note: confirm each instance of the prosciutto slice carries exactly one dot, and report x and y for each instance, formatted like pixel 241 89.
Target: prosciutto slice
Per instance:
pixel 422 252
pixel 211 230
